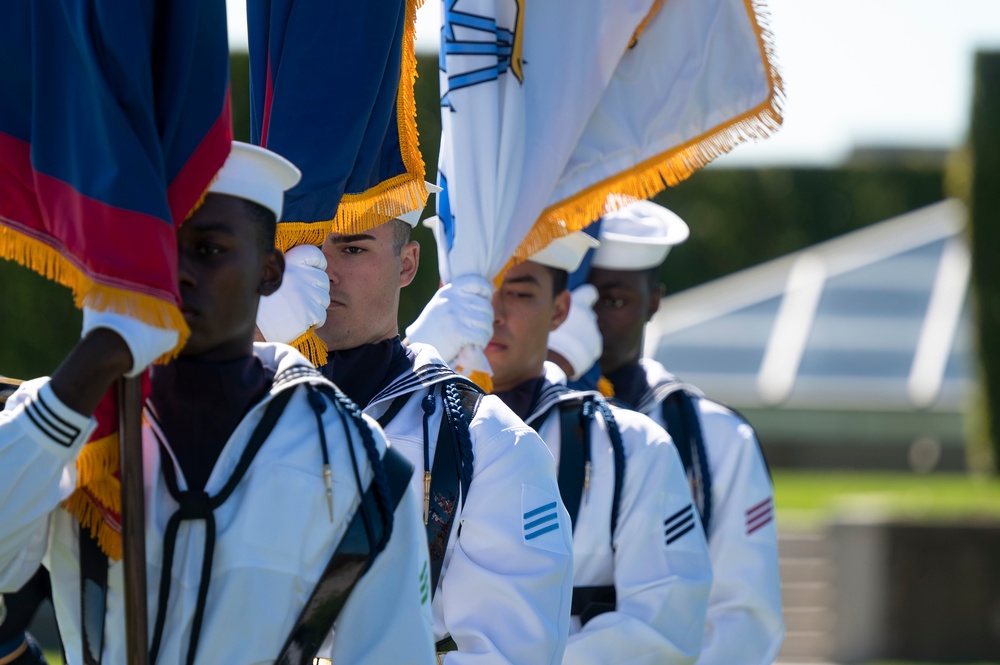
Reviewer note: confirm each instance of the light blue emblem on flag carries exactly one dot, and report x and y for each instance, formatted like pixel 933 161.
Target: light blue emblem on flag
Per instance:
pixel 541 520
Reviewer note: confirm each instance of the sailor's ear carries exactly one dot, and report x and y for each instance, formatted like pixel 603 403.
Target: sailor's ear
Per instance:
pixel 409 260
pixel 561 309
pixel 272 269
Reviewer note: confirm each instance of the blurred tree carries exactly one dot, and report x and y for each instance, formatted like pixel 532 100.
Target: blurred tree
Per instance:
pixel 38 322
pixel 983 199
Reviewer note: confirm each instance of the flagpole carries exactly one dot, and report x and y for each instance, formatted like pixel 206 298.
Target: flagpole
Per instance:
pixel 7 388
pixel 133 519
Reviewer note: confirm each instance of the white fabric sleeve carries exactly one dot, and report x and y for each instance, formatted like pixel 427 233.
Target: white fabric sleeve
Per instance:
pixel 745 623
pixel 662 571
pixel 40 438
pixel 387 618
pixel 508 586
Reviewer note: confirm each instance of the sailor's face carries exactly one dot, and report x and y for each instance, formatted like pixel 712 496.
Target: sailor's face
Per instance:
pixel 524 312
pixel 626 301
pixel 222 272
pixel 366 274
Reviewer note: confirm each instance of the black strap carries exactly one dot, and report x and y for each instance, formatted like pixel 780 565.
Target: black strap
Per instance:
pixel 452 469
pixel 445 645
pixel 394 408
pixel 93 596
pixel 349 562
pixel 590 601
pixel 194 505
pixel 575 419
pixel 684 427
pixel 618 451
pixel 574 455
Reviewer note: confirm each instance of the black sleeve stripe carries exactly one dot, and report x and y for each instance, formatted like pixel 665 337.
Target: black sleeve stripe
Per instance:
pixel 675 536
pixel 51 426
pixel 70 429
pixel 35 415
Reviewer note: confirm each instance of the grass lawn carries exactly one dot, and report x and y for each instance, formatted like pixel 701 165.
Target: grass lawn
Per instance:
pixel 810 498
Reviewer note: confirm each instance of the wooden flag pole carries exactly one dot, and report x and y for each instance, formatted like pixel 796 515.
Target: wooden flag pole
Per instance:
pixel 7 388
pixel 133 520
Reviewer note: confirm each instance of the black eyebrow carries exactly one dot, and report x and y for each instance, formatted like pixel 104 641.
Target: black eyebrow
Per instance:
pixel 526 279
pixel 340 240
pixel 616 285
pixel 212 227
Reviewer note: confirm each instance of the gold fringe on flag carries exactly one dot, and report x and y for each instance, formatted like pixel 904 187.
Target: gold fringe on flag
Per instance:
pixel 653 11
pixel 48 262
pixel 391 198
pixel 605 387
pixel 483 380
pixel 312 347
pixel 655 174
pixel 97 487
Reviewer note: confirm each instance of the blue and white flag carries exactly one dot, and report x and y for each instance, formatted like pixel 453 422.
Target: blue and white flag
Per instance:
pixel 552 112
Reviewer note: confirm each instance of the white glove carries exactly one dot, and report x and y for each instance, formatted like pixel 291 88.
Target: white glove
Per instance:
pixel 578 339
pixel 460 314
pixel 301 301
pixel 146 343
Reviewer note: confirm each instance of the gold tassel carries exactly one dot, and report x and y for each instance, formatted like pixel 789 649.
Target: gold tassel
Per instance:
pixel 653 175
pixel 605 387
pixel 483 380
pixel 312 347
pixel 36 255
pixel 89 515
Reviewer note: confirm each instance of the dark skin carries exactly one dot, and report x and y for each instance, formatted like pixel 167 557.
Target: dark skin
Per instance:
pixel 627 300
pixel 222 272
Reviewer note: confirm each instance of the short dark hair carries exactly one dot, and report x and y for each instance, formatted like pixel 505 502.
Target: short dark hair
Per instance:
pixel 265 222
pixel 560 280
pixel 400 235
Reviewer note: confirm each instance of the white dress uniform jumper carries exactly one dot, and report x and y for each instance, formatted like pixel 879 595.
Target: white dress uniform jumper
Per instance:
pixel 229 573
pixel 641 569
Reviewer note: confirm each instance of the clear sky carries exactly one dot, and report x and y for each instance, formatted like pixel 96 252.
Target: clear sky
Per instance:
pixel 895 73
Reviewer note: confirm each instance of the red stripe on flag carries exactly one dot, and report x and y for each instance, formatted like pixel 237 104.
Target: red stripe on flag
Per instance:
pixel 144 247
pixel 268 97
pixel 194 178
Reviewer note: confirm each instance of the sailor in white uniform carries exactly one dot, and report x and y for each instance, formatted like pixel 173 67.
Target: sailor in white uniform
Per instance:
pixel 725 465
pixel 240 518
pixel 641 569
pixel 501 584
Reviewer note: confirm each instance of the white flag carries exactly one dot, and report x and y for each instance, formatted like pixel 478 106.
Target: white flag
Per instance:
pixel 549 107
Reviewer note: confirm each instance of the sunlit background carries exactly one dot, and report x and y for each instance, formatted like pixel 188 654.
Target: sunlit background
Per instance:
pixel 827 291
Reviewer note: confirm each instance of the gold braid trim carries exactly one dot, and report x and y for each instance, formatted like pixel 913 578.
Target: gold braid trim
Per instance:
pixel 46 260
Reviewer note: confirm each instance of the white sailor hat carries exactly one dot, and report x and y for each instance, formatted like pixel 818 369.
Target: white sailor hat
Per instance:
pixel 638 236
pixel 413 216
pixel 565 253
pixel 256 174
